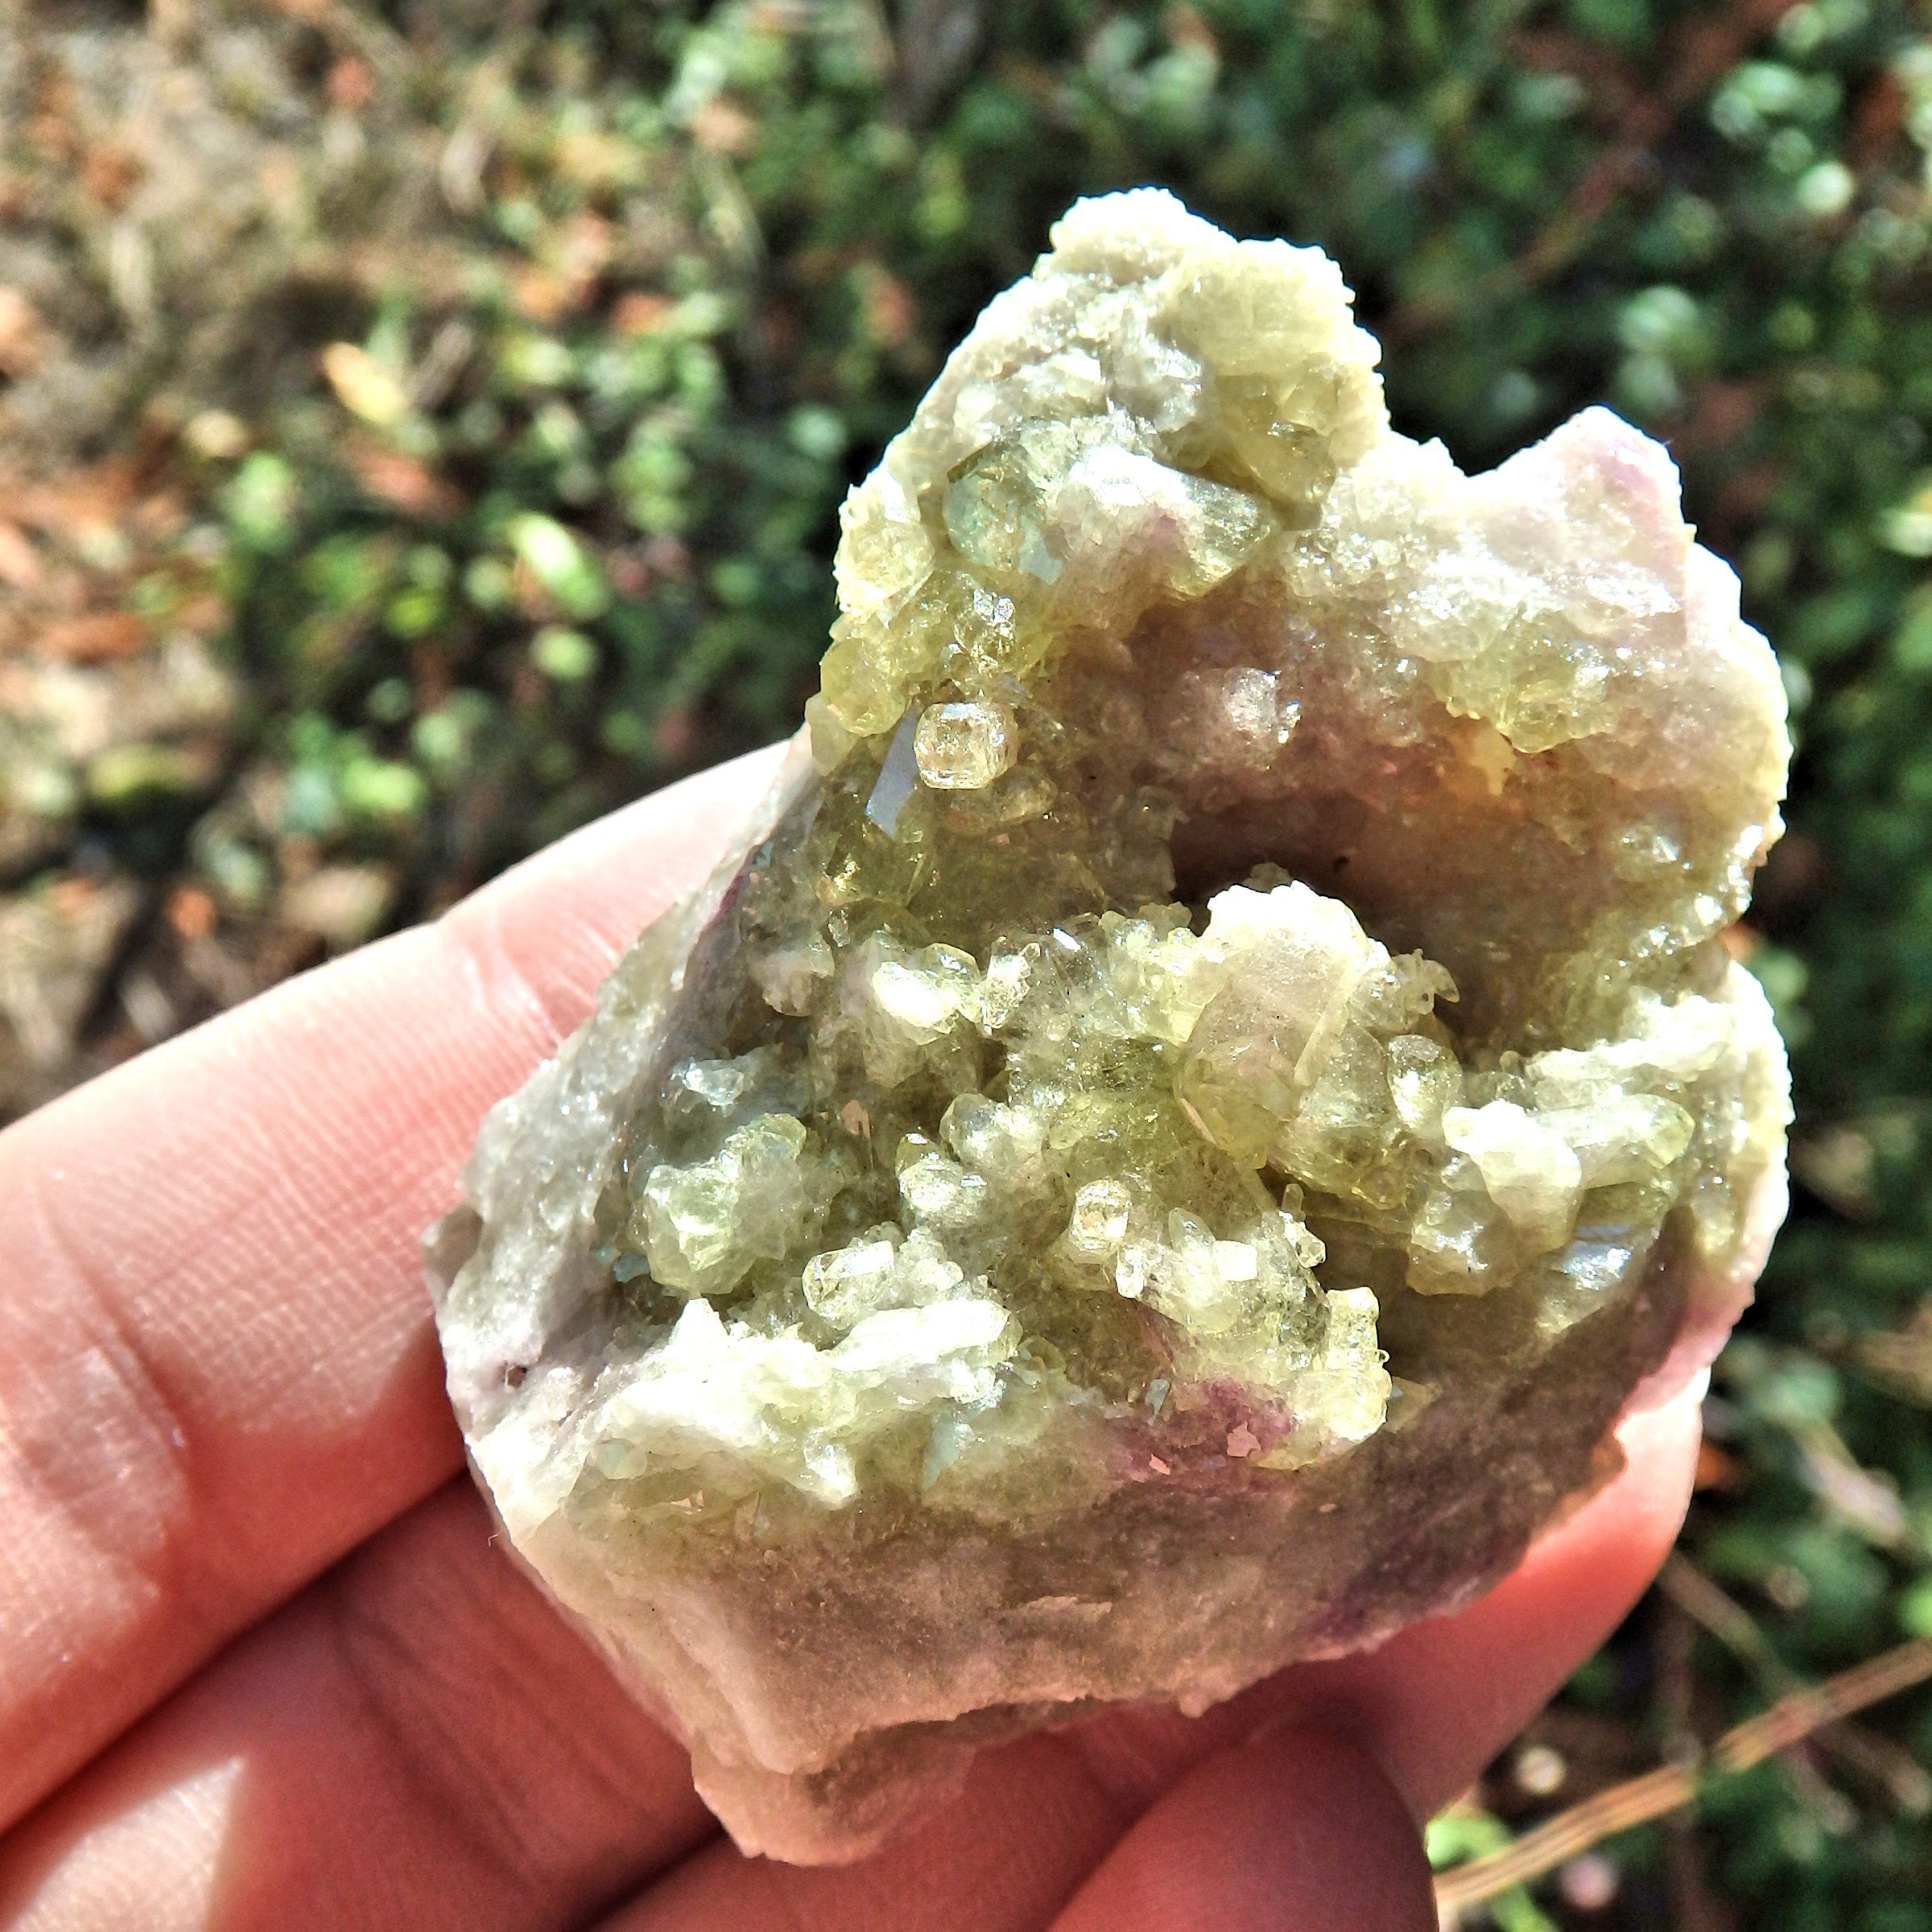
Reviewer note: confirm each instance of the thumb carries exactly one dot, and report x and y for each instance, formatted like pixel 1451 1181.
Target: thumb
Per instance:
pixel 1298 1830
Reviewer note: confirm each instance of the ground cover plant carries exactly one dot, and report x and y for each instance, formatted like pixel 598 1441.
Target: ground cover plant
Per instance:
pixel 421 428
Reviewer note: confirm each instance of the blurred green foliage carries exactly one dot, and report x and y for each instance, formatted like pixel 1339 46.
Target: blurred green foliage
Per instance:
pixel 541 513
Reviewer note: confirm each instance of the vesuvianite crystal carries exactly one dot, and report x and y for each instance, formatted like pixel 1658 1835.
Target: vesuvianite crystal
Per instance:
pixel 1209 1085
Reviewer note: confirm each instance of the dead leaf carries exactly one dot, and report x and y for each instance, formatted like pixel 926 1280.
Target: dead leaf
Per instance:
pixel 723 129
pixel 541 295
pixel 890 309
pixel 1717 1468
pixel 89 640
pixel 109 174
pixel 640 313
pixel 363 385
pixel 190 911
pixel 21 340
pixel 351 84
pixel 80 501
pixel 159 517
pixel 20 561
pixel 402 480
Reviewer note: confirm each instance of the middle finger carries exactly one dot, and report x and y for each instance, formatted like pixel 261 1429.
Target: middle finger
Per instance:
pixel 417 1740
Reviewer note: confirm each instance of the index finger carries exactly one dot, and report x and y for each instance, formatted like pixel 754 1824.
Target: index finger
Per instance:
pixel 218 1368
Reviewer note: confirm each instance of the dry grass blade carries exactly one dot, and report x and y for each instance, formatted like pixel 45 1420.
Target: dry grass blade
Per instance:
pixel 1795 1717
pixel 1873 1757
pixel 1657 1794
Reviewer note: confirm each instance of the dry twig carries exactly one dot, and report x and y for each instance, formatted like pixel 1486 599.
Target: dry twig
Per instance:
pixel 1791 1720
pixel 1903 1779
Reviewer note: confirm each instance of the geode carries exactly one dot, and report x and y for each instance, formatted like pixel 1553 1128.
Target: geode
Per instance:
pixel 1210 1084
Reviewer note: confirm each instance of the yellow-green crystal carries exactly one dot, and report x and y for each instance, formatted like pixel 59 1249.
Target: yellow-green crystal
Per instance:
pixel 1213 1077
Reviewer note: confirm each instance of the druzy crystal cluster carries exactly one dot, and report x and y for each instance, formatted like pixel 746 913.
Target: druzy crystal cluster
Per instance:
pixel 1210 1084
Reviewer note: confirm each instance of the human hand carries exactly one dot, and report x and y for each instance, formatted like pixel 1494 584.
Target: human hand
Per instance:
pixel 260 1665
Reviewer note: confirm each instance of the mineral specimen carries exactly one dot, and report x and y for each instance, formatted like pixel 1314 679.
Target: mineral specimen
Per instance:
pixel 1210 1083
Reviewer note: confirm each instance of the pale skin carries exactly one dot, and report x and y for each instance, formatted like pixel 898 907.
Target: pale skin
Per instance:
pixel 261 1666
